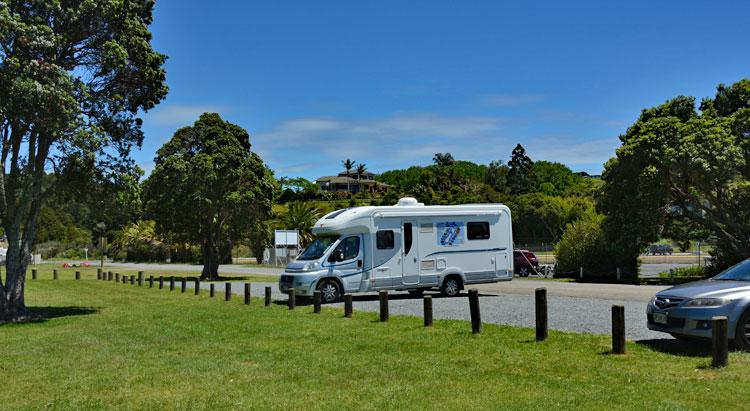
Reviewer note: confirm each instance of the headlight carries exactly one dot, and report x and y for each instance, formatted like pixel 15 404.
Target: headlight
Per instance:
pixel 311 266
pixel 707 302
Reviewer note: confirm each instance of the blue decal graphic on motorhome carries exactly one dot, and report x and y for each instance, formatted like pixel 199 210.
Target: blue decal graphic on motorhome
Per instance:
pixel 450 233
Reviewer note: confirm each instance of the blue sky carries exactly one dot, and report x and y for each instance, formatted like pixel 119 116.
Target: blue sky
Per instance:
pixel 390 83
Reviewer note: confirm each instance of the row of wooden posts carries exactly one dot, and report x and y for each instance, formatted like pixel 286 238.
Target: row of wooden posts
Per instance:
pixel 719 340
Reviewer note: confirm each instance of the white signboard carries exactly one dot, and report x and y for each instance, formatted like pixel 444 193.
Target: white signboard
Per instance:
pixel 285 238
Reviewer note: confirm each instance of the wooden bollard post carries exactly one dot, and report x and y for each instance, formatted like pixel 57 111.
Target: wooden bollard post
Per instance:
pixel 54 274
pixel 317 299
pixel 211 290
pixel 719 342
pixel 476 317
pixel 428 311
pixel 227 291
pixel 111 274
pixel 99 274
pixel 268 296
pixel 183 285
pixel 132 280
pixel 292 299
pixel 247 293
pixel 618 329
pixel 541 314
pixel 161 282
pixel 171 283
pixel 78 275
pixel 117 277
pixel 140 278
pixel 150 281
pixel 197 286
pixel 383 296
pixel 348 306
pixel 33 274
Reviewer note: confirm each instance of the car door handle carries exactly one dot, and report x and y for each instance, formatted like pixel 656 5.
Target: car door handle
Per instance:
pixel 359 263
pixel 415 259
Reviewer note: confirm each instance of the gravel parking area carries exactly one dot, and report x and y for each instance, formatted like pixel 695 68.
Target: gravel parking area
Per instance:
pixel 576 314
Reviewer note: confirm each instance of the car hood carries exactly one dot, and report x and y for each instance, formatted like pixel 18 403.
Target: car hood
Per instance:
pixel 707 288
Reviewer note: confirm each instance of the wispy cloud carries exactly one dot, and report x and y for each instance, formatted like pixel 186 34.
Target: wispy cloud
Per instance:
pixel 180 115
pixel 562 150
pixel 511 100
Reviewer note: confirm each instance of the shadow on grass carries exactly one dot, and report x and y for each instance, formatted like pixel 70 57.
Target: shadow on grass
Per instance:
pixel 305 301
pixel 690 348
pixel 41 314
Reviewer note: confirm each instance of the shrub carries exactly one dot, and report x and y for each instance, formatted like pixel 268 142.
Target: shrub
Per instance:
pixel 686 273
pixel 582 244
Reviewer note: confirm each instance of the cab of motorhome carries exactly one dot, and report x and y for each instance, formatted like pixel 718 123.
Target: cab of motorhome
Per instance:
pixel 408 246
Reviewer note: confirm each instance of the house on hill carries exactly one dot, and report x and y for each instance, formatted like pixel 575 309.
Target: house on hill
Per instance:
pixel 353 183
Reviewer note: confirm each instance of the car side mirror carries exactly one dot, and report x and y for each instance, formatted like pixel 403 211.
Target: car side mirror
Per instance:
pixel 337 256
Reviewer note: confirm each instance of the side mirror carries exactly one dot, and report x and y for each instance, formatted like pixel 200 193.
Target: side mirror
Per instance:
pixel 337 256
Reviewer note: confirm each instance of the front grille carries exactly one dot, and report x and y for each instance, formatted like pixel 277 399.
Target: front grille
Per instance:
pixel 672 322
pixel 665 303
pixel 286 280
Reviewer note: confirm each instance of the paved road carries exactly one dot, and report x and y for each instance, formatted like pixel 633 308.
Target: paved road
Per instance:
pixel 572 307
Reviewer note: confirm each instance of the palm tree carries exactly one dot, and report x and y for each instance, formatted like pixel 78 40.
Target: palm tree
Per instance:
pixel 361 169
pixel 301 217
pixel 348 165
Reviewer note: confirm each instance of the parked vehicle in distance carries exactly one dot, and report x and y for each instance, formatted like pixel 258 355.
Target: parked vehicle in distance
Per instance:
pixel 659 249
pixel 686 310
pixel 525 262
pixel 407 246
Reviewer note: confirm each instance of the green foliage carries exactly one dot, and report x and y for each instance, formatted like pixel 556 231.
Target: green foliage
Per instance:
pixel 686 273
pixel 497 176
pixel 520 171
pixel 208 187
pixel 677 163
pixel 552 178
pixel 582 245
pixel 541 218
pixel 138 241
pixel 301 217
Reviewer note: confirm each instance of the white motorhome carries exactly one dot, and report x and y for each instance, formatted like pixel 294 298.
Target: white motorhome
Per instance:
pixel 408 246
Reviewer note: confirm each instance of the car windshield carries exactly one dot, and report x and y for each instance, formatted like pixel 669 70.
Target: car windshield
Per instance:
pixel 317 248
pixel 737 272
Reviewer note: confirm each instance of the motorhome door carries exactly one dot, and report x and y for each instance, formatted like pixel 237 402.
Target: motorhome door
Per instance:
pixel 410 253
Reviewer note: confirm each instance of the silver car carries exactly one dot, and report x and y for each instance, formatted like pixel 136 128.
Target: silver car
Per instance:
pixel 686 310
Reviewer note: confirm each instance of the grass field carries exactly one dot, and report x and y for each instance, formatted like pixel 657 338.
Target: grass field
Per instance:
pixel 110 345
pixel 45 271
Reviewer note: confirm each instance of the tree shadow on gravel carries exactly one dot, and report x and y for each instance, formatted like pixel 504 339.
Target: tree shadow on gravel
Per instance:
pixel 690 348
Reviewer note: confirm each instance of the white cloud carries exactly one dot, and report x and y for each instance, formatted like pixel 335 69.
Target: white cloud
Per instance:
pixel 179 115
pixel 576 153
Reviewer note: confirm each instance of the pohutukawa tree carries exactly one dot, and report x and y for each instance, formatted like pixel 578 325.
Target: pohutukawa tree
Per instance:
pixel 207 187
pixel 74 75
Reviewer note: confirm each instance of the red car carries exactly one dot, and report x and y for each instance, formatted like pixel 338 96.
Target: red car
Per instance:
pixel 525 263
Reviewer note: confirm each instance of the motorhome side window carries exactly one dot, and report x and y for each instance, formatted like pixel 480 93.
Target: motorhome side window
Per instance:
pixel 407 238
pixel 478 230
pixel 384 239
pixel 350 248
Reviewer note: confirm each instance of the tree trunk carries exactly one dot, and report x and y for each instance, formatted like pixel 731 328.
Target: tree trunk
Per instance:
pixel 210 253
pixel 12 304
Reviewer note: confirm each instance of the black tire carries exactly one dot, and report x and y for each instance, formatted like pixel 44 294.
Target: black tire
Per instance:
pixel 330 291
pixel 742 333
pixel 416 292
pixel 451 286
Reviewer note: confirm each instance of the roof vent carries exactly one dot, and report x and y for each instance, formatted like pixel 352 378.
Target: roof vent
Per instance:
pixel 408 202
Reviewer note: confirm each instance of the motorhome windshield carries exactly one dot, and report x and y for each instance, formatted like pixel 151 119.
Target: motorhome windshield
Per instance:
pixel 317 248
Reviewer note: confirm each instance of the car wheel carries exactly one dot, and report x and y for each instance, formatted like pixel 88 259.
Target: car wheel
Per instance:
pixel 523 271
pixel 417 292
pixel 742 333
pixel 451 287
pixel 330 292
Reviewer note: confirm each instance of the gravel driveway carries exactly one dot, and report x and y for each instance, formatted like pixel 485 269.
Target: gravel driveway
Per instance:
pixel 577 314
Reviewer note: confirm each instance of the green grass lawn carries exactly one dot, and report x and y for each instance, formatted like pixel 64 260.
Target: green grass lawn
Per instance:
pixel 111 345
pixel 45 271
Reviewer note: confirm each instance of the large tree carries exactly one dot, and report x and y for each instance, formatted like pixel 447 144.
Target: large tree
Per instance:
pixel 74 75
pixel 677 162
pixel 208 188
pixel 520 171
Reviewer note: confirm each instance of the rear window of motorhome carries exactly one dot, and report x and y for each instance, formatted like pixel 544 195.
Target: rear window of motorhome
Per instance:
pixel 384 239
pixel 478 230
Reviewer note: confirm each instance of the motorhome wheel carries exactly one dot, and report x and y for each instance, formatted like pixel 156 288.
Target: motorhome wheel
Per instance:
pixel 330 291
pixel 451 287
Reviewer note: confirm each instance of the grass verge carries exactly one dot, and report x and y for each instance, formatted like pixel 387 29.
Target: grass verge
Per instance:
pixel 110 345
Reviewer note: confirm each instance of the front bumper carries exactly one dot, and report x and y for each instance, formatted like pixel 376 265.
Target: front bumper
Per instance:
pixel 302 284
pixel 693 322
